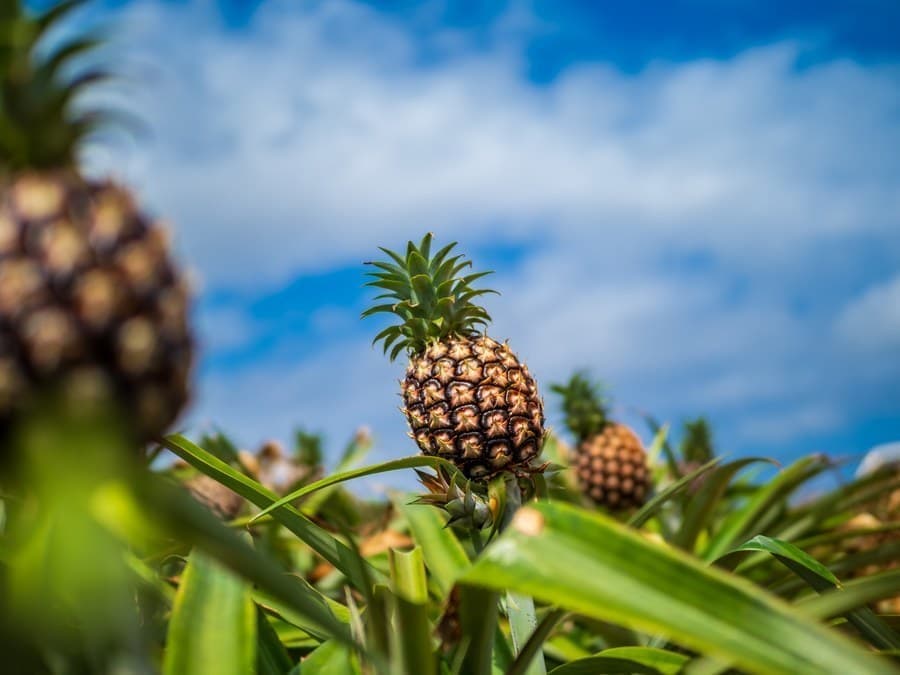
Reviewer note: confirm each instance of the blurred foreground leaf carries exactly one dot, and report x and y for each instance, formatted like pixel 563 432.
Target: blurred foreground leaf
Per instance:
pixel 822 579
pixel 626 660
pixel 213 624
pixel 592 565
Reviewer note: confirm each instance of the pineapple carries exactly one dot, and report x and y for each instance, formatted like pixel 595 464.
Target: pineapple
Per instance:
pixel 467 397
pixel 91 304
pixel 609 460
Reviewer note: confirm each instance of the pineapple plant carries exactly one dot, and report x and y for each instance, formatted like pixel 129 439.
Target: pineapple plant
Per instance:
pixel 696 443
pixel 467 397
pixel 696 449
pixel 609 461
pixel 91 304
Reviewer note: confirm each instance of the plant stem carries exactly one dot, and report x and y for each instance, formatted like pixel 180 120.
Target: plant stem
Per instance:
pixel 520 608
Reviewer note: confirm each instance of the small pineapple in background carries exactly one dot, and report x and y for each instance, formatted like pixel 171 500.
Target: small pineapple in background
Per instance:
pixel 91 304
pixel 609 461
pixel 467 397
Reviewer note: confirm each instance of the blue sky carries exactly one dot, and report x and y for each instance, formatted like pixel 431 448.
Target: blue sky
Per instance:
pixel 696 200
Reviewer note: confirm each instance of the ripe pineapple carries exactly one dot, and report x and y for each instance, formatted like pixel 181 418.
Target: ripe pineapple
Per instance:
pixel 609 460
pixel 467 397
pixel 91 304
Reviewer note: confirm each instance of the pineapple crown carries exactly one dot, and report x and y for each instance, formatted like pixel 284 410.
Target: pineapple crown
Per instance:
pixel 430 295
pixel 584 405
pixel 40 124
pixel 696 442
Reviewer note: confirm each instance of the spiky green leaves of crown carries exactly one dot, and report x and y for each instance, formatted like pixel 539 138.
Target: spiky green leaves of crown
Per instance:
pixel 584 406
pixel 42 124
pixel 429 294
pixel 696 443
pixel 468 504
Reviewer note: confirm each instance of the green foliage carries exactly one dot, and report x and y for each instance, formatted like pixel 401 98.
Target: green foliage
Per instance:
pixel 697 442
pixel 623 578
pixel 585 408
pixel 430 296
pixel 43 120
pixel 308 448
pixel 213 624
pixel 714 573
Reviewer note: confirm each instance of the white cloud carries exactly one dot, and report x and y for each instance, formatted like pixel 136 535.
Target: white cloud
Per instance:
pixel 317 133
pixel 872 321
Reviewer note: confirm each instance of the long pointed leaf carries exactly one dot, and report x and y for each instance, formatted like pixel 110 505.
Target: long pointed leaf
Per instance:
pixel 213 624
pixel 648 510
pixel 334 479
pixel 593 565
pixel 332 550
pixel 822 579
pixel 445 557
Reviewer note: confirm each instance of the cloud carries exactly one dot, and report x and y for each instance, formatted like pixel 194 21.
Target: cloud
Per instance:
pixel 872 321
pixel 693 231
pixel 316 134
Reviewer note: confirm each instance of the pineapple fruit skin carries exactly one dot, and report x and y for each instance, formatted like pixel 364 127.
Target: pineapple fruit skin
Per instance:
pixel 90 301
pixel 471 401
pixel 611 467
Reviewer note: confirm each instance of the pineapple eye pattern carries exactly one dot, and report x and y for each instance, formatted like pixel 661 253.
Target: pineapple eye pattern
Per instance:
pixel 70 311
pixel 464 428
pixel 91 304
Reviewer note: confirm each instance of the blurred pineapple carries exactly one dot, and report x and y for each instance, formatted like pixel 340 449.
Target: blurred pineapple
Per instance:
pixel 609 460
pixel 91 303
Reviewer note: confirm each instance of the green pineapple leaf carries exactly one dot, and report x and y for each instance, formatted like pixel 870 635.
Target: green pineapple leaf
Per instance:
pixel 584 405
pixel 432 301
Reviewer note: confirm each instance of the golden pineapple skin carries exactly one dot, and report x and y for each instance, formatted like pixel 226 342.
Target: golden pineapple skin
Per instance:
pixel 90 300
pixel 611 467
pixel 471 401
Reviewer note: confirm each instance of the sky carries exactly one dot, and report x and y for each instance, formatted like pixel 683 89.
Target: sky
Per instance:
pixel 695 200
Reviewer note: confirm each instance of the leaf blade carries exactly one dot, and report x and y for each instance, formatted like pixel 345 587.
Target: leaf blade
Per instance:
pixel 624 578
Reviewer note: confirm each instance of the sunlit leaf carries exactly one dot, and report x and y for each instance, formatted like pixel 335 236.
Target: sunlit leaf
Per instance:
pixel 593 565
pixel 213 624
pixel 444 555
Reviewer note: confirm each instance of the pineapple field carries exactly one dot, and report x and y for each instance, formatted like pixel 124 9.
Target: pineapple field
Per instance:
pixel 127 546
